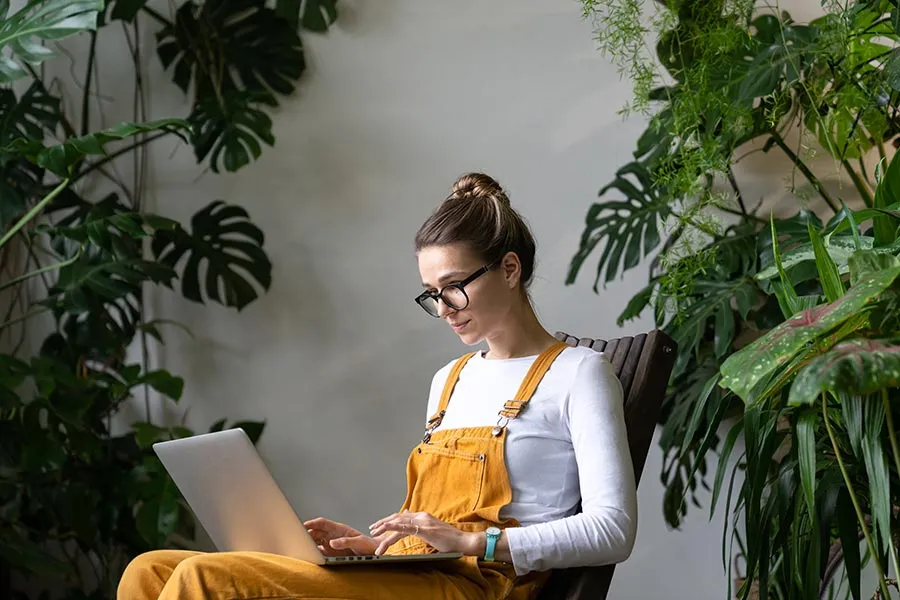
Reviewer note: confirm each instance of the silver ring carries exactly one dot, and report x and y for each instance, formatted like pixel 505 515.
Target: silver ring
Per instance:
pixel 417 530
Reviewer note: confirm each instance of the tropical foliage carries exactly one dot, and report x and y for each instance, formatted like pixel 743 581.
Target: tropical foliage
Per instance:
pixel 779 318
pixel 80 489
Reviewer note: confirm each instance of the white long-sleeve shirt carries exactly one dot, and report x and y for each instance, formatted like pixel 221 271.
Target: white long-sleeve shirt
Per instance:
pixel 568 446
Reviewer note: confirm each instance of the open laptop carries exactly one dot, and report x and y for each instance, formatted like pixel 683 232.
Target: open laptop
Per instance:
pixel 234 496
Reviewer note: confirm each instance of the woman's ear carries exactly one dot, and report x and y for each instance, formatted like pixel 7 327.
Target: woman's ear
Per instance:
pixel 512 269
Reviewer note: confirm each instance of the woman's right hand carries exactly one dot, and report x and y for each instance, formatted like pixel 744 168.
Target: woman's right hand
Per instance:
pixel 337 539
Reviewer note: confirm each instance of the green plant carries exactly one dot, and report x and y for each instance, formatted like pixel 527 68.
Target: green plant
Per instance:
pixel 78 497
pixel 742 78
pixel 739 79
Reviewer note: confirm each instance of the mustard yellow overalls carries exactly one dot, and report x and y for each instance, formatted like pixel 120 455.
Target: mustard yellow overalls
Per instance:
pixel 457 475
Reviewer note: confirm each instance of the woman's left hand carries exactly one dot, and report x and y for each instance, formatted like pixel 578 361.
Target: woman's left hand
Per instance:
pixel 440 535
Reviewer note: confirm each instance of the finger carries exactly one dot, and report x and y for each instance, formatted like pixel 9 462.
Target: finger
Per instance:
pixel 317 522
pixel 388 542
pixel 387 518
pixel 400 525
pixel 356 544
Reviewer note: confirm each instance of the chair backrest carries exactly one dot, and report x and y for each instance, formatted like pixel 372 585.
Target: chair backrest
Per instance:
pixel 643 363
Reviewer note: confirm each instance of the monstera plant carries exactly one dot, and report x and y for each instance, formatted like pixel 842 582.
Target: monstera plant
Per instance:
pixel 80 490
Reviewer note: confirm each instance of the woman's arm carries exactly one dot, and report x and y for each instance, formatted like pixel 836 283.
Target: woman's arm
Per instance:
pixel 604 532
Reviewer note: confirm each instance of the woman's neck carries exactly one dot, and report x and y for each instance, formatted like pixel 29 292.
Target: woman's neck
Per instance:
pixel 522 335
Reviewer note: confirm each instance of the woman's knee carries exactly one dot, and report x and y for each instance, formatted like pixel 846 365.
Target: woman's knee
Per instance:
pixel 146 574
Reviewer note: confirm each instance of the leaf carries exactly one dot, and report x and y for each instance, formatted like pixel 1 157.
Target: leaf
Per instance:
pixel 21 553
pixel 262 54
pixel 227 130
pixel 33 115
pixel 863 263
pixel 318 15
pixel 637 304
pixel 253 429
pixel 157 517
pixel 628 228
pixel 224 241
pixel 875 460
pixel 860 366
pixel 887 194
pixel 847 530
pixel 60 158
pixel 163 382
pixel 724 456
pixel 96 278
pixel 787 295
pixel 828 271
pixel 126 10
pixel 806 455
pixel 744 369
pixel 45 20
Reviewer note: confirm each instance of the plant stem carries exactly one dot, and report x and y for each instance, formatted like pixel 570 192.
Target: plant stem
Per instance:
pixel 892 433
pixel 859 516
pixel 40 271
pixel 34 212
pixel 747 215
pixel 801 166
pixel 895 448
pixel 157 16
pixel 859 183
pixel 94 166
pixel 737 191
pixel 85 106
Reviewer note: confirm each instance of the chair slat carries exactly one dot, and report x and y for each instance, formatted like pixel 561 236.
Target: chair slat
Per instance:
pixel 629 368
pixel 610 349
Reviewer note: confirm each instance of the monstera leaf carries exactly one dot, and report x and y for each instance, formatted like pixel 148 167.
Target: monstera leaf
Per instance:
pixel 853 367
pixel 31 116
pixel 263 58
pixel 125 10
pixel 227 130
pixel 743 370
pixel 44 20
pixel 60 158
pixel 262 52
pixel 628 228
pixel 224 241
pixel 314 15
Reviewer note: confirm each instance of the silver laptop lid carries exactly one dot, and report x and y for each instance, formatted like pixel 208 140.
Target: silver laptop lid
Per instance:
pixel 234 496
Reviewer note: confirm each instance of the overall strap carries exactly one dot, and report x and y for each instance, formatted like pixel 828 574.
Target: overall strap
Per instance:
pixel 512 408
pixel 452 378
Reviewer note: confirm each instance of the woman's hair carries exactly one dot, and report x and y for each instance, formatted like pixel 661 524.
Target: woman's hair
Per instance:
pixel 477 212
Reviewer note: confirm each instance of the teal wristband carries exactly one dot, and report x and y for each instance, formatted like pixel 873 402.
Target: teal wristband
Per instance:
pixel 493 534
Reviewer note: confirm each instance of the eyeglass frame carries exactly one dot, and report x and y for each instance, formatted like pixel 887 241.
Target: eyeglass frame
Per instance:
pixel 460 285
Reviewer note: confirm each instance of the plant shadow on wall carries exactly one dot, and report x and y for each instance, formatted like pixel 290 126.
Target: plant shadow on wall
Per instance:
pixel 77 500
pixel 788 328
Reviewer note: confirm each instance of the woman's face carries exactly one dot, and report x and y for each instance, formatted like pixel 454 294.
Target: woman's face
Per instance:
pixel 490 294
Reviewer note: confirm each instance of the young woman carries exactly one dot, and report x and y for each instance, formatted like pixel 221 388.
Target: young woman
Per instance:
pixel 518 438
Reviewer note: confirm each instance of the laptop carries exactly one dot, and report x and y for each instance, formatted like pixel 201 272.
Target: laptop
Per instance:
pixel 237 501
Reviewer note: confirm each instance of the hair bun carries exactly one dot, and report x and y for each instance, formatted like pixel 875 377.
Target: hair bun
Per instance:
pixel 478 185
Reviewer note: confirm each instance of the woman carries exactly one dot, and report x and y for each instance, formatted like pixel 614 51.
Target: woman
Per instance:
pixel 497 482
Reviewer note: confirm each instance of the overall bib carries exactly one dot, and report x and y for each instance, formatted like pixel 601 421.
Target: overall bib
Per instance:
pixel 457 475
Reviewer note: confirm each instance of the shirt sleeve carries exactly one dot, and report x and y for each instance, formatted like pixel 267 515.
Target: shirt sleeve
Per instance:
pixel 604 532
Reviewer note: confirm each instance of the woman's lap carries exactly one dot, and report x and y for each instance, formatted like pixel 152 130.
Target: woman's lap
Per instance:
pixel 170 574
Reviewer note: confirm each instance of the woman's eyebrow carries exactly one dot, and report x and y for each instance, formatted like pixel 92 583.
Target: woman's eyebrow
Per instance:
pixel 446 277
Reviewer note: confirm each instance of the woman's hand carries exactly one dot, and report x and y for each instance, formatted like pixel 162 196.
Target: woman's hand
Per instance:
pixel 337 539
pixel 440 535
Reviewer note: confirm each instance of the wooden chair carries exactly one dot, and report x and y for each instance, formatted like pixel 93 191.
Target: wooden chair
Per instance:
pixel 643 364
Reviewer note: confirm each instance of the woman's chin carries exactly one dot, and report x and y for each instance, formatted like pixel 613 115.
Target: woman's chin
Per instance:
pixel 469 338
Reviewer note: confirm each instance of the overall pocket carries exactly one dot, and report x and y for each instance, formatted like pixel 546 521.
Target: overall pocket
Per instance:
pixel 448 480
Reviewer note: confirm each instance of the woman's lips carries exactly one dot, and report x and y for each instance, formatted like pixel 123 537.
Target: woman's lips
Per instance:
pixel 457 327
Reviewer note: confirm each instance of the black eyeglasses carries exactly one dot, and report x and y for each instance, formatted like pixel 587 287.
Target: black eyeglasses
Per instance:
pixel 453 295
